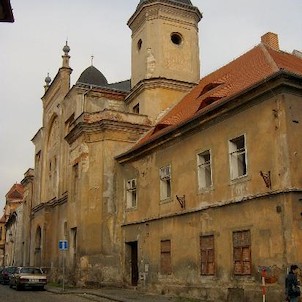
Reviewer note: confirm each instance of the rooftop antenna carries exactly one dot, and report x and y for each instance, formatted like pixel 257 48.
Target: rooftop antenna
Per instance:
pixel 92 57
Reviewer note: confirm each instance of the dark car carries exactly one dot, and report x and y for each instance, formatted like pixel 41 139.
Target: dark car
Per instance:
pixel 6 273
pixel 28 277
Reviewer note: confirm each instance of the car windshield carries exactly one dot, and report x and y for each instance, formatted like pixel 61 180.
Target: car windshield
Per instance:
pixel 30 270
pixel 10 269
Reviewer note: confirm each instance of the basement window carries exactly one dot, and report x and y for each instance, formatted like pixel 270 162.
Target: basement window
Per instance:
pixel 237 156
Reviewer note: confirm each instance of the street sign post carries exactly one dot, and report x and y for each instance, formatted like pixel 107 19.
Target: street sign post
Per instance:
pixel 63 246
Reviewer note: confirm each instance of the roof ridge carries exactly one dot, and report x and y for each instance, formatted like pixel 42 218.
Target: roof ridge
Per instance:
pixel 269 58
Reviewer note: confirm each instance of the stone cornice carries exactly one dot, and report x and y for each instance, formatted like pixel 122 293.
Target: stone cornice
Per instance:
pixel 108 120
pixel 158 83
pixel 50 204
pixel 160 9
pixel 218 204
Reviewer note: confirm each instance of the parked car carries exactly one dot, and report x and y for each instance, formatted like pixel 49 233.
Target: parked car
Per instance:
pixel 6 273
pixel 28 277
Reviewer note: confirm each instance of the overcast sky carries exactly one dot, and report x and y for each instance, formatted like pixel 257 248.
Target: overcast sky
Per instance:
pixel 32 46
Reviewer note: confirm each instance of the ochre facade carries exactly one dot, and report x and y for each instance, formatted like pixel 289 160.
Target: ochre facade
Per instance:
pixel 168 182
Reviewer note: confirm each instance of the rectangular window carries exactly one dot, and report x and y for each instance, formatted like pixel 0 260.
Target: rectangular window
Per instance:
pixel 204 170
pixel 131 193
pixel 242 252
pixel 207 253
pixel 136 109
pixel 165 182
pixel 75 181
pixel 237 152
pixel 165 257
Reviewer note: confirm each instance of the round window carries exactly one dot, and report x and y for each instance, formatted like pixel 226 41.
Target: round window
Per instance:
pixel 176 38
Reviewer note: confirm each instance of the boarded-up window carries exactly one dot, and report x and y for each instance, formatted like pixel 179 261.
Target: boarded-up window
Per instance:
pixel 165 257
pixel 242 252
pixel 207 255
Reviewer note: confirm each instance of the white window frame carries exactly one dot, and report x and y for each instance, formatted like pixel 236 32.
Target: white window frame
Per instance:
pixel 131 193
pixel 165 182
pixel 238 157
pixel 204 169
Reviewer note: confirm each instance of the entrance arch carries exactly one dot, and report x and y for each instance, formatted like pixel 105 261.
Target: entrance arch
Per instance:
pixel 38 246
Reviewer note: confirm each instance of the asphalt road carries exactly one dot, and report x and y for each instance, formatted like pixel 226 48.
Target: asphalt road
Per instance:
pixel 11 295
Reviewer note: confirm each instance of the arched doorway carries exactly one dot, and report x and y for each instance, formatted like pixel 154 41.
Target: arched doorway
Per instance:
pixel 38 241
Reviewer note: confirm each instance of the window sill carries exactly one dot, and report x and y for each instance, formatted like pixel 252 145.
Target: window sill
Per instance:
pixel 131 209
pixel 206 190
pixel 167 200
pixel 240 179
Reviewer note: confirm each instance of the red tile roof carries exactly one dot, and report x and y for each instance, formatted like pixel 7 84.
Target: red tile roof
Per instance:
pixel 249 69
pixel 15 193
pixel 3 219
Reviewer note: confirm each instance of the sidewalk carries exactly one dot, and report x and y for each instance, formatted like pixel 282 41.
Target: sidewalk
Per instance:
pixel 117 294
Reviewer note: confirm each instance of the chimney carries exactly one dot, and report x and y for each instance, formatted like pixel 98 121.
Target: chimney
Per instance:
pixel 271 40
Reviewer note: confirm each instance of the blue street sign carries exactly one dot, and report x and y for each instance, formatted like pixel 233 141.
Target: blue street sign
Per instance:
pixel 63 245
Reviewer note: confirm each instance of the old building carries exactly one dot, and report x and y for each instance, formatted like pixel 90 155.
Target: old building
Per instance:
pixel 2 240
pixel 165 181
pixel 11 225
pixel 213 192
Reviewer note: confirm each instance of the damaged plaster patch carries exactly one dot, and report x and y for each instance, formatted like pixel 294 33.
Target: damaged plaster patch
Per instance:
pixel 80 154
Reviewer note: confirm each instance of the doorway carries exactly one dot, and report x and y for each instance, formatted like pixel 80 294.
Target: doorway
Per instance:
pixel 132 259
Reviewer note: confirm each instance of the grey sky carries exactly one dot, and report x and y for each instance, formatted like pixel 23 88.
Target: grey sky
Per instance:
pixel 32 46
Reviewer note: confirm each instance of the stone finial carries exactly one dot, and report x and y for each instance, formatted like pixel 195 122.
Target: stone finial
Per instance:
pixel 66 57
pixel 47 82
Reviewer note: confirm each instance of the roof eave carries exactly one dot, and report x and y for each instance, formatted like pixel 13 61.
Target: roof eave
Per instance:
pixel 175 131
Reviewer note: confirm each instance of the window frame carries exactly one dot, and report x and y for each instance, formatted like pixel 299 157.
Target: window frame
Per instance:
pixel 242 247
pixel 165 183
pixel 204 168
pixel 209 252
pixel 238 168
pixel 166 257
pixel 131 193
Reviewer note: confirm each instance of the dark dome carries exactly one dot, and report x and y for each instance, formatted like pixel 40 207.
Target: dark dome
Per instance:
pixel 92 76
pixel 188 2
